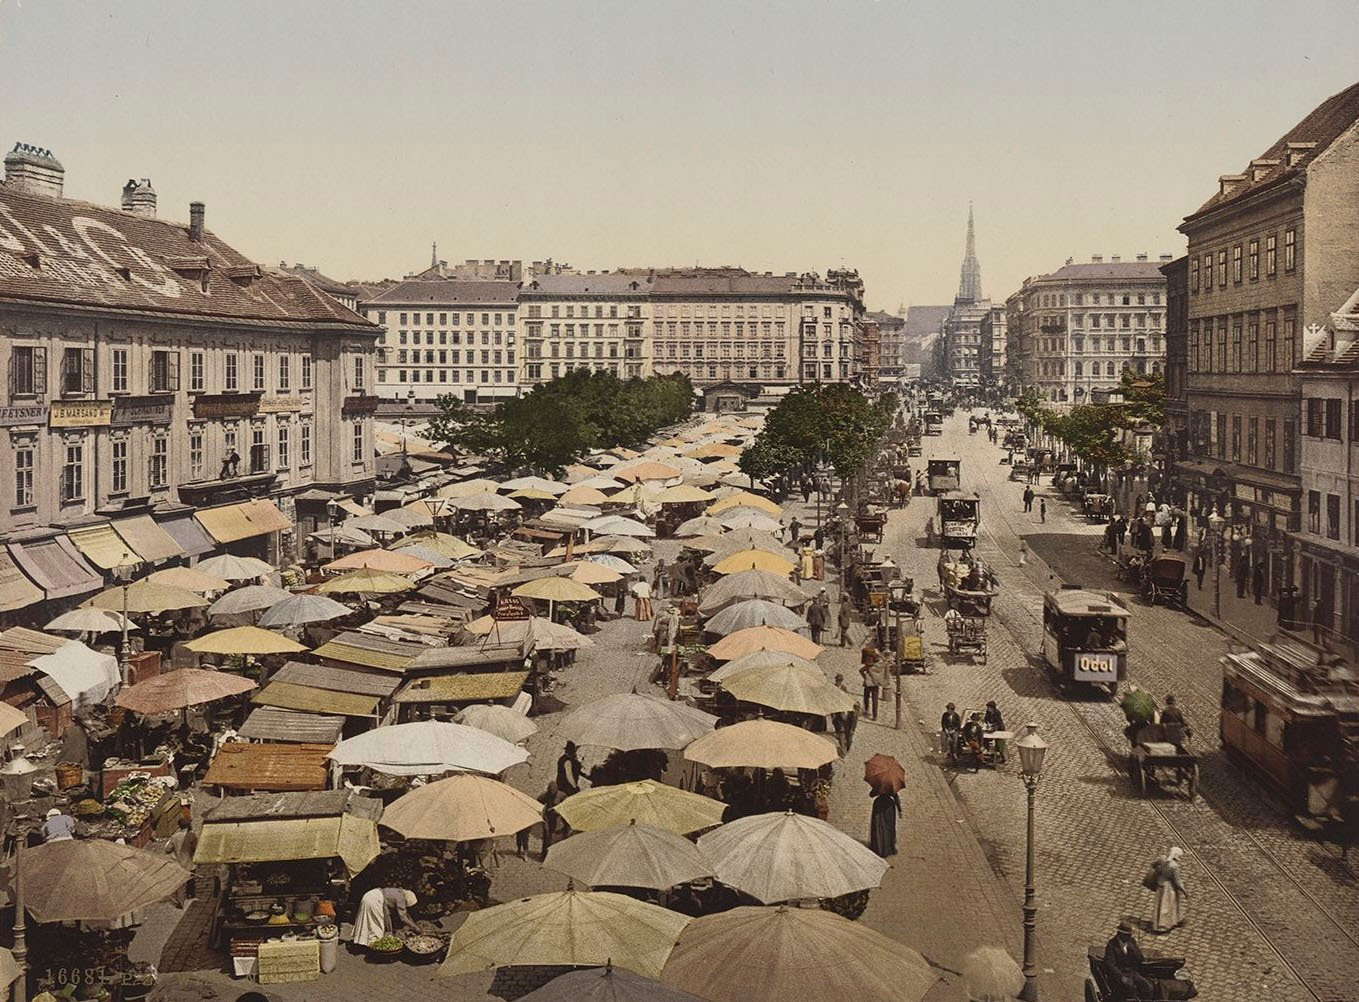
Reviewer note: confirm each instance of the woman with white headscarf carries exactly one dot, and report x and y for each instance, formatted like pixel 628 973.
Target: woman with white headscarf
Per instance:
pixel 1170 892
pixel 376 911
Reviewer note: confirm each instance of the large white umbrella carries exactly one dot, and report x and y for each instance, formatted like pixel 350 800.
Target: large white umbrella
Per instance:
pixel 427 747
pixel 502 721
pixel 234 568
pixel 703 525
pixel 343 535
pixel 754 612
pixel 766 659
pixel 629 856
pixel 462 808
pixel 762 744
pixel 748 518
pixel 251 598
pixel 534 484
pixel 301 609
pixel 612 562
pixel 485 501
pixel 617 525
pixel 785 857
pixel 89 620
pixel 630 721
pixel 745 585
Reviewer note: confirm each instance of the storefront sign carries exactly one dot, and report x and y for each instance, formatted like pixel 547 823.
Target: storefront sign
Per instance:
pixel 226 405
pixel 129 411
pixel 509 609
pixel 1245 492
pixel 362 403
pixel 80 414
pixel 23 414
pixel 274 405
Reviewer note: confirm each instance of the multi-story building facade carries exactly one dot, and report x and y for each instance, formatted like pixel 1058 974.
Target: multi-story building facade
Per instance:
pixel 1176 431
pixel 962 343
pixel 596 321
pixel 1274 251
pixel 447 336
pixel 1083 324
pixel 152 368
pixel 1016 347
pixel 891 345
pixel 993 345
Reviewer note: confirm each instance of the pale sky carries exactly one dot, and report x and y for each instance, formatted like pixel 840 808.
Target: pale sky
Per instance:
pixel 777 136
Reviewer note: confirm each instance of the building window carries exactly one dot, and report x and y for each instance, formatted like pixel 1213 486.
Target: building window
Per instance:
pixel 357 455
pixel 232 376
pixel 1332 516
pixel 158 468
pixel 257 366
pixel 1332 429
pixel 77 371
pixel 119 480
pixel 1270 255
pixel 1220 427
pixel 1193 278
pixel 1290 445
pixel 1286 347
pixel 195 372
pixel 195 454
pixel 304 443
pixel 119 383
pixel 1269 444
pixel 1208 272
pixel 73 473
pixel 1290 249
pixel 306 372
pixel 28 372
pixel 1236 346
pixel 283 446
pixel 1222 268
pixel 23 476
pixel 285 373
pixel 1236 438
pixel 1236 264
pixel 1254 260
pixel 1253 441
pixel 1314 512
pixel 164 372
pixel 358 372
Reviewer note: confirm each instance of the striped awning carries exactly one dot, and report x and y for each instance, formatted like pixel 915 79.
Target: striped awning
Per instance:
pixel 189 535
pixel 142 534
pixel 242 520
pixel 16 590
pixel 104 547
pixel 56 566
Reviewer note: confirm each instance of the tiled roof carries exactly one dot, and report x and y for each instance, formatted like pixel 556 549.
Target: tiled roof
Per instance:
pixel 723 285
pixel 1322 126
pixel 613 284
pixel 75 253
pixel 447 292
pixel 1107 271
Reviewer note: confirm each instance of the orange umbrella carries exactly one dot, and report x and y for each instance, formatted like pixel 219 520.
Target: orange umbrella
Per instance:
pixel 184 687
pixel 763 638
pixel 391 561
pixel 649 470
pixel 754 560
pixel 884 774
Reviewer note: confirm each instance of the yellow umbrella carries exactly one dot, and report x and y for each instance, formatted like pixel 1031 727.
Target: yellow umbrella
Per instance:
pixel 683 494
pixel 148 597
pixel 366 582
pixel 440 542
pixel 556 589
pixel 461 808
pixel 244 640
pixel 763 638
pixel 754 560
pixel 190 579
pixel 788 687
pixel 761 744
pixel 646 803
pixel 589 573
pixel 745 499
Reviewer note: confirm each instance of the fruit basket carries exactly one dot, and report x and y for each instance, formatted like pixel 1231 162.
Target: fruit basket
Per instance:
pixel 425 949
pixel 385 949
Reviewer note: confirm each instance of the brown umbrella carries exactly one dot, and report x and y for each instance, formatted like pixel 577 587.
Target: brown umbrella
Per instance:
pixel 94 880
pixel 182 688
pixel 884 774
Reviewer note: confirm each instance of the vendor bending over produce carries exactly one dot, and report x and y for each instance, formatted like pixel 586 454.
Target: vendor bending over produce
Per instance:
pixel 376 911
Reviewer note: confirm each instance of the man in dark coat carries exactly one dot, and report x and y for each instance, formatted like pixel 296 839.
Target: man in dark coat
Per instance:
pixel 1124 959
pixel 1257 580
pixel 1200 567
pixel 1242 573
pixel 816 619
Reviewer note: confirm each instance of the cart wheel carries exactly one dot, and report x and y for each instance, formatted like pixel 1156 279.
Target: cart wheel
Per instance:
pixel 1091 991
pixel 1193 780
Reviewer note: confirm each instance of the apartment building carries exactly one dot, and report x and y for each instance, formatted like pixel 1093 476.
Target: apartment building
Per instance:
pixel 596 321
pixel 993 345
pixel 1273 252
pixel 447 336
pixel 1176 429
pixel 891 346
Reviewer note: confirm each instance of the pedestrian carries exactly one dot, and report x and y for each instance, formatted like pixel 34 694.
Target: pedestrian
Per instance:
pixel 658 579
pixel 1121 530
pixel 838 720
pixel 1043 509
pixel 1257 580
pixel 873 673
pixel 641 608
pixel 1167 535
pixel 1287 605
pixel 1023 552
pixel 569 770
pixel 843 619
pixel 1242 573
pixel 819 538
pixel 1028 499
pixel 1200 567
pixel 882 829
pixel 1178 538
pixel 816 620
pixel 819 564
pixel 1170 892
pixel 794 531
pixel 550 798
pixel 806 490
pixel 620 600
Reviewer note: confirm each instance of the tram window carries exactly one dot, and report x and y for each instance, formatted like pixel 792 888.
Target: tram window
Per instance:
pixel 1234 700
pixel 1258 716
pixel 1275 728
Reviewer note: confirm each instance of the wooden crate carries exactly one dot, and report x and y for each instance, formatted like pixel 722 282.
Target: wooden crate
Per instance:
pixel 283 962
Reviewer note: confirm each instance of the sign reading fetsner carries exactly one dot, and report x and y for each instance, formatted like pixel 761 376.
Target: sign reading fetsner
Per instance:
pixel 23 414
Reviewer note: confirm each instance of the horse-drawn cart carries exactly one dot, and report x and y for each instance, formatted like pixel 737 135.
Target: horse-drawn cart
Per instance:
pixel 1160 758
pixel 869 520
pixel 966 634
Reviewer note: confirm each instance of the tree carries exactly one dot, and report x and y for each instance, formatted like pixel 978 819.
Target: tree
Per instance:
pixel 1144 398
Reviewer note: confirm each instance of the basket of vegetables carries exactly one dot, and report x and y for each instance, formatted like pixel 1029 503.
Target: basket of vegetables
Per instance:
pixel 424 949
pixel 385 948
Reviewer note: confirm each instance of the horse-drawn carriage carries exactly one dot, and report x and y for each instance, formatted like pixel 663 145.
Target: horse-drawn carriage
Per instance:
pixel 966 634
pixel 1097 506
pixel 1106 985
pixel 1163 580
pixel 869 520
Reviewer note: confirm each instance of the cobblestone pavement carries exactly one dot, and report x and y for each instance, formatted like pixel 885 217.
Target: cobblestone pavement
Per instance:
pixel 1273 914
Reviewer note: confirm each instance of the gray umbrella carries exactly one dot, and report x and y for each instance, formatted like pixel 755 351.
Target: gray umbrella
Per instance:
pixel 754 612
pixel 299 610
pixel 606 984
pixel 251 598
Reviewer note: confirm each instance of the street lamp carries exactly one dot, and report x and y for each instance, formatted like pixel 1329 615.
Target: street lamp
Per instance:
pixel 1032 750
pixel 896 591
pixel 123 572
pixel 842 512
pixel 1215 521
pixel 332 509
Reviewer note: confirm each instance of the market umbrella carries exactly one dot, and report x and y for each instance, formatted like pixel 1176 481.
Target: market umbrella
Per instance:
pixel 234 568
pixel 617 525
pixel 588 573
pixel 391 561
pixel 645 470
pixel 10 972
pixel 90 621
pixel 440 542
pixel 244 640
pixel 411 516
pixel 251 598
pixel 612 562
pixel 190 579
pixel 754 612
pixel 703 525
pixel 630 721
pixel 628 856
pixel 556 589
pixel 466 488
pixel 753 952
pixel 761 744
pixel 11 718
pixel 95 880
pixel 572 928
pixel 146 597
pixel 366 582
pixel 766 659
pixel 534 484
pixel 432 557
pixel 181 688
pixel 600 483
pixel 749 539
pixel 343 535
pixel 301 609
pixel 991 975
pixel 485 501
pixel 579 495
pixel 684 494
pixel 428 747
pixel 532 494
pixel 376 523
pixel 622 544
pixel 606 984
pixel 748 518
pixel 756 560
pixel 787 857
pixel 645 802
pixel 750 584
pixel 502 721
pixel 884 774
pixel 745 499
pixel 769 638
pixel 462 808
pixel 789 688
pixel 541 631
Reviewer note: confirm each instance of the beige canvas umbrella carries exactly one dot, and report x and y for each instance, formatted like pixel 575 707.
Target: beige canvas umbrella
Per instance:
pixel 748 518
pixel 557 589
pixel 630 721
pixel 146 597
pixel 644 470
pixel 606 984
pixel 244 640
pixel 234 568
pixel 90 621
pixel 484 501
pixel 391 561
pixel 95 880
pixel 766 659
pixel 744 499
pixel 468 487
pixel 617 525
pixel 440 542
pixel 301 609
pixel 753 612
pixel 991 975
pixel 789 688
pixel 751 953
pixel 761 744
pixel 462 808
pixel 11 718
pixel 502 721
pixel 540 484
pixel 754 560
pixel 251 598
pixel 629 856
pixel 428 747
pixel 703 525
pixel 581 495
pixel 572 928
pixel 366 582
pixel 767 638
pixel 745 585
pixel 376 523
pixel 587 573
pixel 646 803
pixel 544 634
pixel 181 688
pixel 787 857
pixel 190 579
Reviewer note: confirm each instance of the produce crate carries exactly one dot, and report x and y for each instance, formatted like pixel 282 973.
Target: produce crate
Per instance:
pixel 284 962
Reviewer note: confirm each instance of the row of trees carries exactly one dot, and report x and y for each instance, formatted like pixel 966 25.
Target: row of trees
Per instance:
pixel 557 423
pixel 1095 433
pixel 834 423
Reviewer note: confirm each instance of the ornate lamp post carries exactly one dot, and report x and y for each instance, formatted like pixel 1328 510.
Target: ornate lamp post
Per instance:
pixel 124 574
pixel 842 512
pixel 897 592
pixel 1032 749
pixel 1215 522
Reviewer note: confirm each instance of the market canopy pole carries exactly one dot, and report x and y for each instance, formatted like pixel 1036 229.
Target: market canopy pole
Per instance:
pixel 20 950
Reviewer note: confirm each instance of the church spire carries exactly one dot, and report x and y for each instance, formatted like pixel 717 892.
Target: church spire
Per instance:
pixel 969 283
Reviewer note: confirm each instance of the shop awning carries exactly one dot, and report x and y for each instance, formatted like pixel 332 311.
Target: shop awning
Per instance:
pixel 356 648
pixel 57 567
pixel 16 590
pixel 353 507
pixel 242 520
pixel 277 767
pixel 142 534
pixel 337 678
pixel 190 536
pixel 104 547
pixel 353 840
pixel 463 688
pixel 270 723
pixel 290 696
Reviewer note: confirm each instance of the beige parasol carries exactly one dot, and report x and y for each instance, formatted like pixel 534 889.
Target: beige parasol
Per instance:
pixel 745 499
pixel 181 688
pixel 556 589
pixel 502 721
pixel 392 561
pixel 629 721
pixel 244 640
pixel 234 568
pixel 146 597
pixel 761 744
pixel 190 579
pixel 629 856
pixel 95 880
pixel 646 803
pixel 462 808
pixel 366 582
pixel 754 560
pixel 788 687
pixel 762 638
pixel 605 984
pixel 440 542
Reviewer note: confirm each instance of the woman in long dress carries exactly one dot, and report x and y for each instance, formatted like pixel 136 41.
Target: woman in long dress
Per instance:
pixel 1170 893
pixel 882 831
pixel 376 910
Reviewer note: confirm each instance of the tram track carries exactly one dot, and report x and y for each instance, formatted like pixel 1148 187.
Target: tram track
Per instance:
pixel 1023 592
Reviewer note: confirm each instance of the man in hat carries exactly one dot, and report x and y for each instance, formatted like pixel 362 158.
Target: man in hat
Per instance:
pixel 1123 957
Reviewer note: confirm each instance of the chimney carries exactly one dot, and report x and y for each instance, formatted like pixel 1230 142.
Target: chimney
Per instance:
pixel 1259 168
pixel 1141 257
pixel 1114 258
pixel 196 221
pixel 1167 257
pixel 34 171
pixel 139 198
pixel 1096 258
pixel 1068 260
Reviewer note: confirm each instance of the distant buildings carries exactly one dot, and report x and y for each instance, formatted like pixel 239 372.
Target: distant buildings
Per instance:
pixel 891 346
pixel 600 322
pixel 961 352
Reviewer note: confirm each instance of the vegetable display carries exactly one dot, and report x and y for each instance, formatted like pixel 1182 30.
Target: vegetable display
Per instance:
pixel 386 944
